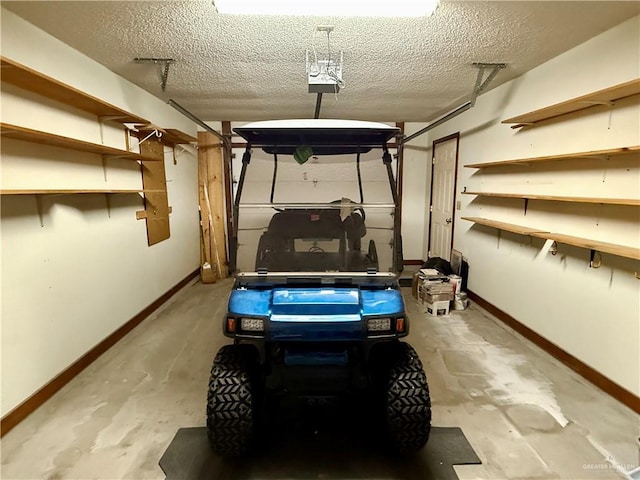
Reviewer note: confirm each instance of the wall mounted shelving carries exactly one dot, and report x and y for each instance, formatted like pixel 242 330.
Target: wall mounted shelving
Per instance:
pixel 28 79
pixel 559 198
pixel 593 154
pixel 507 227
pixel 605 96
pixel 169 136
pixel 593 245
pixel 45 138
pixel 70 191
pixel 151 156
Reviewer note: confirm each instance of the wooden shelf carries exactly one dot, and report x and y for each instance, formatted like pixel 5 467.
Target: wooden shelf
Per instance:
pixel 556 198
pixel 71 192
pixel 24 77
pixel 170 136
pixel 604 247
pixel 603 96
pixel 509 227
pixel 633 152
pixel 45 138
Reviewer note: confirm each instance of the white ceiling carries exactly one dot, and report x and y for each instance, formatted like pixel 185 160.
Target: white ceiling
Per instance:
pixel 253 67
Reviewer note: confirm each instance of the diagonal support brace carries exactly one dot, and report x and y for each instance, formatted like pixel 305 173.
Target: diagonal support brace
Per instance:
pixel 481 82
pixel 480 86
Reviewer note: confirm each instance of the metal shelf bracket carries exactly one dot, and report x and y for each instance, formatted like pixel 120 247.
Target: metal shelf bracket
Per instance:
pixel 595 259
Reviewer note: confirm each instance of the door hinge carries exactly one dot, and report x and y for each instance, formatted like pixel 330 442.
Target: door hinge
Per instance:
pixel 430 208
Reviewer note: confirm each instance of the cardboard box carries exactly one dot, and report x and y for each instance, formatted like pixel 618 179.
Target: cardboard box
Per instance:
pixel 415 285
pixel 436 309
pixel 437 297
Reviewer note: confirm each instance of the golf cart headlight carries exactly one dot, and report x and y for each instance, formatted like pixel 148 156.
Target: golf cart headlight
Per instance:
pixel 379 324
pixel 252 324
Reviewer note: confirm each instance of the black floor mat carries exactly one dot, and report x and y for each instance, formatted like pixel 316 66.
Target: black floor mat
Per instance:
pixel 316 450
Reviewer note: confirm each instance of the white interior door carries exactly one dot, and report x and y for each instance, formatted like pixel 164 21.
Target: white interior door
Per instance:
pixel 443 184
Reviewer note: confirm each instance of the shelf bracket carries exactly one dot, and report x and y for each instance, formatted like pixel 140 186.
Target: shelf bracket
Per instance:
pixel 606 167
pixel 609 103
pixel 111 118
pixel 40 210
pixel 107 200
pixel 526 206
pixel 127 139
pixel 104 166
pixel 183 149
pixel 593 261
pixel 115 157
pixel 523 124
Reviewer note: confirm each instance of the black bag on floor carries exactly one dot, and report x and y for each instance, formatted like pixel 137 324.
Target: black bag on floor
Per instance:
pixel 439 264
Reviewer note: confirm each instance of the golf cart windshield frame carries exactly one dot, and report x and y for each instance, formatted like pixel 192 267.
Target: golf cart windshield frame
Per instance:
pixel 345 138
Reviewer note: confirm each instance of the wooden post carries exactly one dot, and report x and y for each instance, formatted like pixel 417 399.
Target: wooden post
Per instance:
pixel 212 205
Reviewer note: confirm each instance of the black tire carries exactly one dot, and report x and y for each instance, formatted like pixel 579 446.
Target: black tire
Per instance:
pixel 406 400
pixel 231 400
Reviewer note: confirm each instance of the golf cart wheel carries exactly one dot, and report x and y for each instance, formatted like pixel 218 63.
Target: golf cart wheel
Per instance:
pixel 406 400
pixel 231 401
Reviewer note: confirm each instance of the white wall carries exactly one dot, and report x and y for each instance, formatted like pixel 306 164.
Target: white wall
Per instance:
pixel 70 281
pixel 594 314
pixel 416 179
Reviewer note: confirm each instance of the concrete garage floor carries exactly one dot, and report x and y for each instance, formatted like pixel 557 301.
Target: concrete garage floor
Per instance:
pixel 526 415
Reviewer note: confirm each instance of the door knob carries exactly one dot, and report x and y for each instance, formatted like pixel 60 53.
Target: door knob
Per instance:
pixel 448 220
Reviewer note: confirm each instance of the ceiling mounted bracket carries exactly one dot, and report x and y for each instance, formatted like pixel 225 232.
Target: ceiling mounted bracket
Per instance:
pixel 164 64
pixel 481 84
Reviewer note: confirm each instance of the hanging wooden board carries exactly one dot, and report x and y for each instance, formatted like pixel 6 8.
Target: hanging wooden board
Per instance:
pixel 156 203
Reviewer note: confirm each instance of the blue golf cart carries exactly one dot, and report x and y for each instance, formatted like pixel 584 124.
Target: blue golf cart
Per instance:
pixel 316 310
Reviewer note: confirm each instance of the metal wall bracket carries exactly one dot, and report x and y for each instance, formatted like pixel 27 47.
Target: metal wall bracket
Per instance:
pixel 107 200
pixel 609 103
pixel 40 210
pixel 182 149
pixel 104 166
pixel 523 124
pixel 164 65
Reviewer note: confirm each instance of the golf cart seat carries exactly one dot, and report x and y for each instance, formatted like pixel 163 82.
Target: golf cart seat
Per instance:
pixel 303 240
pixel 314 240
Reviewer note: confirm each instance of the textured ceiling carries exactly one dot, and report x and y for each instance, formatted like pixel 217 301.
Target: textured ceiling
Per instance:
pixel 231 67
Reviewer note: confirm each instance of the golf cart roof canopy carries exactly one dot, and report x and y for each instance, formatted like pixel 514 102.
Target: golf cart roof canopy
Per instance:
pixel 324 136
